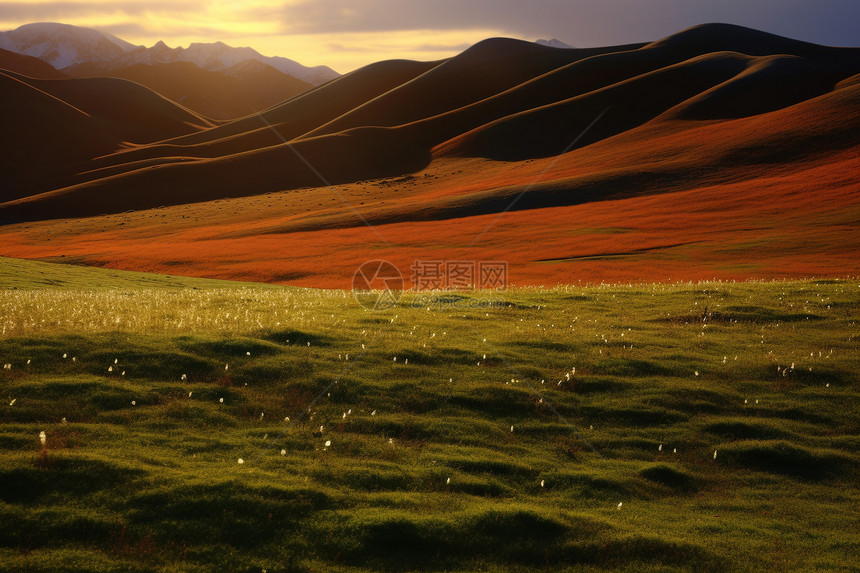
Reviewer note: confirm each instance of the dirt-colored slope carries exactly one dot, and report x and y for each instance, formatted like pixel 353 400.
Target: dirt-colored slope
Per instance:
pixel 248 87
pixel 28 66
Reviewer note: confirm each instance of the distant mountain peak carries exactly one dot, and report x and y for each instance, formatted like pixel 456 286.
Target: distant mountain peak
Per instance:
pixel 61 45
pixel 554 43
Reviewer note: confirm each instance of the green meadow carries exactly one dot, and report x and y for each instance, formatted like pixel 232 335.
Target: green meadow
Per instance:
pixel 194 425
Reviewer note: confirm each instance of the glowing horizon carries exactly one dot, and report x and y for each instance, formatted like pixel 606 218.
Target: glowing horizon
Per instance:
pixel 344 35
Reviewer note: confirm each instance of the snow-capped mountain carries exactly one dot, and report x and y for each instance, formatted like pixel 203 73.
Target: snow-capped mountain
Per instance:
pixel 62 45
pixel 70 47
pixel 554 43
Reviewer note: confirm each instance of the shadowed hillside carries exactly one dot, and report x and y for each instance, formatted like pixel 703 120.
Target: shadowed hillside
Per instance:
pixel 28 66
pixel 246 88
pixel 69 121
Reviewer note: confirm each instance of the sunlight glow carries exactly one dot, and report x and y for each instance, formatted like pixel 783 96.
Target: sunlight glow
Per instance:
pixel 253 23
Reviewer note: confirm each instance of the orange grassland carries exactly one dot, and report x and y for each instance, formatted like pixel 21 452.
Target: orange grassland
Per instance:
pixel 782 219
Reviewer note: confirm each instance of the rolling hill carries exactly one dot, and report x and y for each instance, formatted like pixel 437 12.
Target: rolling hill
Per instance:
pixel 71 121
pixel 243 89
pixel 28 66
pixel 506 135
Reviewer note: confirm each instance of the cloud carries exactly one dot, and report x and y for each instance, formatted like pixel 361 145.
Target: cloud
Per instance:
pixel 581 22
pixel 60 11
pixel 162 32
pixel 349 33
pixel 328 16
pixel 447 49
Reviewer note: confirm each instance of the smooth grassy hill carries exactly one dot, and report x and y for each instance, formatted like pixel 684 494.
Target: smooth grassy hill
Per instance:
pixel 709 426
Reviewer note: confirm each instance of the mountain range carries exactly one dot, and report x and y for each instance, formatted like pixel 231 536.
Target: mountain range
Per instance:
pixel 83 51
pixel 719 151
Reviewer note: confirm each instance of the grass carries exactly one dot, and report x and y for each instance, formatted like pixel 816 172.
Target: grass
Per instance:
pixel 454 438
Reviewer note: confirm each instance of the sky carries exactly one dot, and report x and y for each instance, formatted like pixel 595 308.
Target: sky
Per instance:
pixel 347 34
